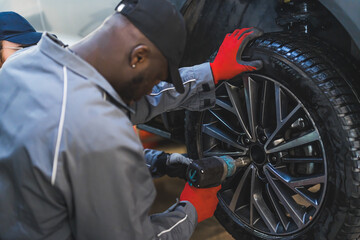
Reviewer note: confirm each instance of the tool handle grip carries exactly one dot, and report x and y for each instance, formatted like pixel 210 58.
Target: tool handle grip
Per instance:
pixel 205 173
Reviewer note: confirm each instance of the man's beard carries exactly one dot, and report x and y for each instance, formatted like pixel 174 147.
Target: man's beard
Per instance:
pixel 127 93
pixel 1 55
pixel 1 60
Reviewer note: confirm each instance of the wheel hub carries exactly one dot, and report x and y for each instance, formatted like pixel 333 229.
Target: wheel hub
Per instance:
pixel 258 155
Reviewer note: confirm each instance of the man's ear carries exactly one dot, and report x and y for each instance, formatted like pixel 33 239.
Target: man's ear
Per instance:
pixel 138 55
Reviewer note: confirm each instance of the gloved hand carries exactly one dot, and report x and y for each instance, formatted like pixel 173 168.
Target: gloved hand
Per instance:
pixel 203 199
pixel 177 158
pixel 160 163
pixel 176 165
pixel 227 63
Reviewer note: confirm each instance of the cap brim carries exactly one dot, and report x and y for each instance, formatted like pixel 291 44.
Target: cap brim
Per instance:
pixel 176 79
pixel 26 38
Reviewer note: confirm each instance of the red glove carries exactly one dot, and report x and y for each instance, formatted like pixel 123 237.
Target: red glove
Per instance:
pixel 203 199
pixel 227 63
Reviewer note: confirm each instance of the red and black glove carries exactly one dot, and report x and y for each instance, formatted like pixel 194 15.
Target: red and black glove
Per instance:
pixel 227 63
pixel 203 199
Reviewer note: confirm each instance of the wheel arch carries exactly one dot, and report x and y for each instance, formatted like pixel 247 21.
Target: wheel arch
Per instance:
pixel 347 13
pixel 207 22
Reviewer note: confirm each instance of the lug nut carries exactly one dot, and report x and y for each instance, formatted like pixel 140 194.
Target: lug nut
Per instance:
pixel 263 138
pixel 247 140
pixel 273 160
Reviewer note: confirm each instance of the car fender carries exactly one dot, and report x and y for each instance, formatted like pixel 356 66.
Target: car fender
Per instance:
pixel 347 13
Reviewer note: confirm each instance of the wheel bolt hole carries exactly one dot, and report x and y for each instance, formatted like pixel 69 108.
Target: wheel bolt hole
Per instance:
pixel 246 140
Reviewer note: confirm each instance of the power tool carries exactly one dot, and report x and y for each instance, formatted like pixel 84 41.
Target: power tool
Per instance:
pixel 212 171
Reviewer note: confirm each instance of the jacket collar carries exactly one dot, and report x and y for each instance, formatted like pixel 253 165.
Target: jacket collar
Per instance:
pixel 56 50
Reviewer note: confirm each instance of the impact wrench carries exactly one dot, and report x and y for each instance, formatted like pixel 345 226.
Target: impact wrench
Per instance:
pixel 212 171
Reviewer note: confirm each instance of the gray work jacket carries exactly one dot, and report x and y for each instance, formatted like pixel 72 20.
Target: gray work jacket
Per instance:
pixel 71 165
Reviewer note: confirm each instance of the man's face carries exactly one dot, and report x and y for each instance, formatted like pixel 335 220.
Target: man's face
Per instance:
pixel 7 49
pixel 155 71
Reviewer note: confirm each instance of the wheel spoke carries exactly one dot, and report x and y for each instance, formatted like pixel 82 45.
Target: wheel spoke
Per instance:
pixel 296 142
pixel 224 122
pixel 257 200
pixel 296 212
pixel 215 132
pixel 253 175
pixel 251 97
pixel 226 105
pixel 239 188
pixel 297 184
pixel 284 123
pixel 294 182
pixel 308 196
pixel 302 160
pixel 283 218
pixel 264 102
pixel 237 109
pixel 278 104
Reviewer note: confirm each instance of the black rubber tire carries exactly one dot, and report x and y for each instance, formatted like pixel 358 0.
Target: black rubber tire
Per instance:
pixel 327 83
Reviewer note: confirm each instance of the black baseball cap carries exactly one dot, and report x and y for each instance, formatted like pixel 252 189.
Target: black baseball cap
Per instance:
pixel 15 28
pixel 164 26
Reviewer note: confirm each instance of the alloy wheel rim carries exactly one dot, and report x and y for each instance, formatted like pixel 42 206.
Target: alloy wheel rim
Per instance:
pixel 281 191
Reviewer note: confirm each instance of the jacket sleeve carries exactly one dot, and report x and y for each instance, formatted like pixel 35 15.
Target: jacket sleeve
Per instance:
pixel 199 95
pixel 107 186
pixel 156 162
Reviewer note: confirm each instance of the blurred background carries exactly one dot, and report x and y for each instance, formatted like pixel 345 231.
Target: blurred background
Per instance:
pixel 69 20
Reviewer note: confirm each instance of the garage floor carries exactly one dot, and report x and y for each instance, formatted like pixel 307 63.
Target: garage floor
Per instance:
pixel 168 189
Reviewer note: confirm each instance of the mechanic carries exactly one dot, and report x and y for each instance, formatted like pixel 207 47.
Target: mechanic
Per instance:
pixel 71 166
pixel 16 33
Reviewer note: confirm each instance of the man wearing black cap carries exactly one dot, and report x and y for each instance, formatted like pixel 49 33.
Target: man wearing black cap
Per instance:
pixel 15 34
pixel 71 166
